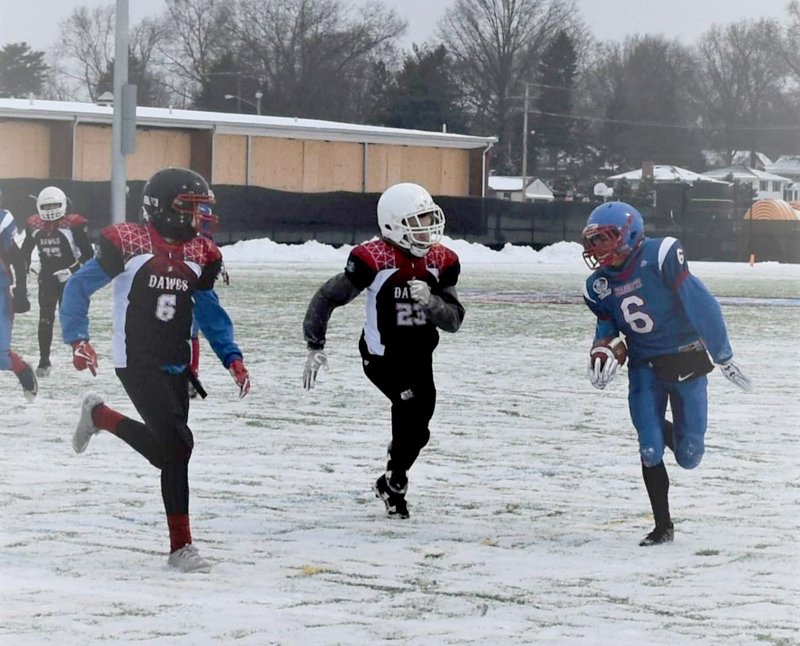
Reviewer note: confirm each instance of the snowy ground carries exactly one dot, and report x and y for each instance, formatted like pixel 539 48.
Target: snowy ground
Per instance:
pixel 526 506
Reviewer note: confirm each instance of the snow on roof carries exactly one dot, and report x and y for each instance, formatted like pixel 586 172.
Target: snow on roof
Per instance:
pixel 788 165
pixel 241 124
pixel 663 173
pixel 745 173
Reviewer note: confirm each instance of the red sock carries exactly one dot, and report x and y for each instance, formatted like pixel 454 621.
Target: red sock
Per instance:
pixel 106 418
pixel 194 363
pixel 17 364
pixel 179 533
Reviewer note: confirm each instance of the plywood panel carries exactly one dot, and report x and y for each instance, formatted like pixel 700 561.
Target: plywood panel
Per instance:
pixel 157 149
pixel 230 159
pixel 92 153
pixel 277 163
pixel 422 166
pixel 26 147
pixel 332 166
pixel 455 172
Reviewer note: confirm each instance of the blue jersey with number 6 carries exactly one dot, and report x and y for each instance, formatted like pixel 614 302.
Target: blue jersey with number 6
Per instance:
pixel 657 303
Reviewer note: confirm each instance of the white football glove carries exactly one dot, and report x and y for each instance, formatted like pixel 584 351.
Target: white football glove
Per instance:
pixel 63 275
pixel 420 291
pixel 734 373
pixel 601 374
pixel 316 359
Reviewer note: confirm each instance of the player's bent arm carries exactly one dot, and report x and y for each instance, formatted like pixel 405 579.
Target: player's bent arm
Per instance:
pixel 446 311
pixel 334 293
pixel 216 326
pixel 78 290
pixel 705 315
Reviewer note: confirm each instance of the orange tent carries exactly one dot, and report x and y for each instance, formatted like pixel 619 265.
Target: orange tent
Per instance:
pixel 773 210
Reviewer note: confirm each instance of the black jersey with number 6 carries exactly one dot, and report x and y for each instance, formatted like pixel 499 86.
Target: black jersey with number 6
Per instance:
pixel 154 282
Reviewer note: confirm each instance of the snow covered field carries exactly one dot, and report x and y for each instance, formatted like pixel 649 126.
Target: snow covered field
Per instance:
pixel 526 506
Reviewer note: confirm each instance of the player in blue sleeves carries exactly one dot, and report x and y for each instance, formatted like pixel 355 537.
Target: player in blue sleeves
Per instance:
pixel 642 287
pixel 163 273
pixel 13 300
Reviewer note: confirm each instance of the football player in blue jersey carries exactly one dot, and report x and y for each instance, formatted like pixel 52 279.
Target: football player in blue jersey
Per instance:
pixel 410 279
pixel 642 287
pixel 163 273
pixel 13 300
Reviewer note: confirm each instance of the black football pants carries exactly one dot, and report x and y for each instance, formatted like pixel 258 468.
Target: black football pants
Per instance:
pixel 50 292
pixel 165 439
pixel 407 381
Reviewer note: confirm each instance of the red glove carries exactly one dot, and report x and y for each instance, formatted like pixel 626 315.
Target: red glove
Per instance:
pixel 84 356
pixel 240 376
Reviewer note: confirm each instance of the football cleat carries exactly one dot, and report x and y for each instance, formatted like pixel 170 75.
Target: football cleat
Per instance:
pixel 85 428
pixel 188 559
pixel 43 369
pixel 27 379
pixel 660 535
pixel 395 502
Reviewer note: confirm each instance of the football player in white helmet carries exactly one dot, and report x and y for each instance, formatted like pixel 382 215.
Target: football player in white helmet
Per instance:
pixel 63 243
pixel 410 279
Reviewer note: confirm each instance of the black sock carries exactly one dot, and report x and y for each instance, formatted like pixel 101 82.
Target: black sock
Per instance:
pixel 656 481
pixel 669 438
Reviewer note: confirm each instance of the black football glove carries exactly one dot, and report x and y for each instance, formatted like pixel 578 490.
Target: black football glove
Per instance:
pixel 19 300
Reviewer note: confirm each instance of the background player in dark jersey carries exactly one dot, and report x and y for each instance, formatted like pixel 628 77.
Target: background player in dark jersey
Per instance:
pixel 12 300
pixel 642 288
pixel 63 243
pixel 162 270
pixel 410 280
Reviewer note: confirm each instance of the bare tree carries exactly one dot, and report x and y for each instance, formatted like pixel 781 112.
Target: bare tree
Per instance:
pixel 745 77
pixel 311 57
pixel 496 45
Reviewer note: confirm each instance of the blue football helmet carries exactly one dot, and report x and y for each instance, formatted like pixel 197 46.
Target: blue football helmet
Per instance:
pixel 613 232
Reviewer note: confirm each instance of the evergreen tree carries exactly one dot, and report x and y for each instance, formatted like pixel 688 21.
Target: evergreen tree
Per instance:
pixel 555 80
pixel 424 96
pixel 22 70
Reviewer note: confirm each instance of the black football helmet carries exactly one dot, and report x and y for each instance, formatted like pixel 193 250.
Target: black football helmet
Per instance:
pixel 172 200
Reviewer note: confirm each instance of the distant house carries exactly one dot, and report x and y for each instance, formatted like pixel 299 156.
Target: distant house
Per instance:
pixel 507 187
pixel 661 173
pixel 788 166
pixel 767 186
pixel 717 159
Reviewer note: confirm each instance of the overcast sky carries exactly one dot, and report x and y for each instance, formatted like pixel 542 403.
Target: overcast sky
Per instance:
pixel 36 21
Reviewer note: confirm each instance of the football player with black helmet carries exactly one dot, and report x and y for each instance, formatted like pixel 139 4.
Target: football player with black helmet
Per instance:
pixel 642 287
pixel 410 279
pixel 163 272
pixel 62 240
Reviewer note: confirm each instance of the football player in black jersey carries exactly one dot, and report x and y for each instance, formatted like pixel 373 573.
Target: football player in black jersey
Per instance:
pixel 163 273
pixel 410 279
pixel 62 240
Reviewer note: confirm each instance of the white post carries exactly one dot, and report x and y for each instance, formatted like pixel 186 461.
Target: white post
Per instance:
pixel 118 166
pixel 525 147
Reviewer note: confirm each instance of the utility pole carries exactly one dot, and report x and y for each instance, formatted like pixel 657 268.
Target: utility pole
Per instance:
pixel 525 146
pixel 119 172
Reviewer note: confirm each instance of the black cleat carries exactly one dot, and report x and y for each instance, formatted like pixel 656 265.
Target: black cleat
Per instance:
pixel 30 387
pixel 395 502
pixel 660 535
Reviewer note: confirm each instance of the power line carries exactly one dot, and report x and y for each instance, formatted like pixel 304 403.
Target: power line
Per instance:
pixel 661 124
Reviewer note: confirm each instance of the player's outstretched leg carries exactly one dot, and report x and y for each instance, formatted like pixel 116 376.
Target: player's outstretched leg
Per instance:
pixel 86 426
pixel 394 500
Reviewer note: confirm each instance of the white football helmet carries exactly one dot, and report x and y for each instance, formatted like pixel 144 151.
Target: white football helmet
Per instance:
pixel 399 211
pixel 51 203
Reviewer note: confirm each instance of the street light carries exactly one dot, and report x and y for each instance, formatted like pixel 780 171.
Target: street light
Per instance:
pixel 256 105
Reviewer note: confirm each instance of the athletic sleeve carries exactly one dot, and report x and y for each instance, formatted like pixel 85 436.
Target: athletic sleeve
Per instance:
pixel 335 292
pixel 78 290
pixel 699 304
pixel 81 233
pixel 216 326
